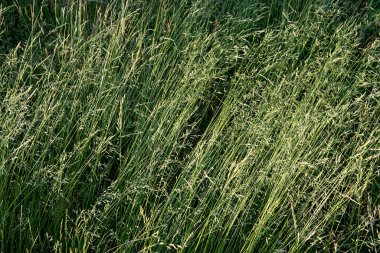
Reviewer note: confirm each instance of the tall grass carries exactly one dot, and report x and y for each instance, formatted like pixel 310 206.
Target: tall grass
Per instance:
pixel 189 126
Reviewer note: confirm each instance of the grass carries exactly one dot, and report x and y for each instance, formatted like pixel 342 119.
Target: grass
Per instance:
pixel 189 126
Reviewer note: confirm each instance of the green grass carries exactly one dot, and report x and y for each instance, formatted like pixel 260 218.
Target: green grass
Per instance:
pixel 190 126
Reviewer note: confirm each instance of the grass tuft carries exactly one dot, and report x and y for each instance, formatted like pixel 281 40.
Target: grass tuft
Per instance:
pixel 189 126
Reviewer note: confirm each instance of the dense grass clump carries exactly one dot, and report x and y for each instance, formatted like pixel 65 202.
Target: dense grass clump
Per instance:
pixel 189 126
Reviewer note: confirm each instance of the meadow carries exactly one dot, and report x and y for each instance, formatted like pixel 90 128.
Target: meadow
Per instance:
pixel 189 126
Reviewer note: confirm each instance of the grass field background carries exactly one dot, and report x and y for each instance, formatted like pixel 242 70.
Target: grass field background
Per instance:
pixel 189 126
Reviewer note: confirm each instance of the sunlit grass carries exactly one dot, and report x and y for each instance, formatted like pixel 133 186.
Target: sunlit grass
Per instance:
pixel 190 126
